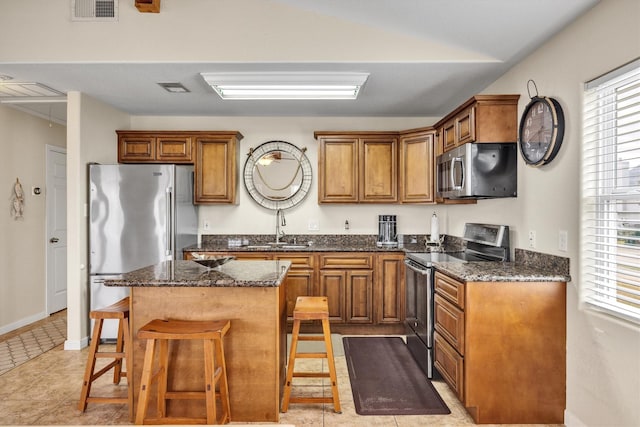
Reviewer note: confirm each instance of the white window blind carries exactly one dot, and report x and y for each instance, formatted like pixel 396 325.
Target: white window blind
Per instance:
pixel 610 255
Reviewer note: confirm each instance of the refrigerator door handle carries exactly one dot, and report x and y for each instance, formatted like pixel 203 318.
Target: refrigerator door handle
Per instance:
pixel 169 248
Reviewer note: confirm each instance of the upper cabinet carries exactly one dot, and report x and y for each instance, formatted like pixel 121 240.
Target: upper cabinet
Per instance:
pixel 483 118
pixel 216 167
pixel 154 147
pixel 214 155
pixel 357 167
pixel 417 160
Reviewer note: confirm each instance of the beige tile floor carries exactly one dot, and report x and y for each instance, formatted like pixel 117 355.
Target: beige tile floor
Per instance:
pixel 45 391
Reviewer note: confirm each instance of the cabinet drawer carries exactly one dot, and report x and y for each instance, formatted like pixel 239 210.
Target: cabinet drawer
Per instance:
pixel 346 261
pixel 298 261
pixel 449 322
pixel 450 289
pixel 450 365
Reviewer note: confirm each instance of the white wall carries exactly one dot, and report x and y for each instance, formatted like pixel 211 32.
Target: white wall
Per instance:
pixel 23 242
pixel 603 357
pixel 91 137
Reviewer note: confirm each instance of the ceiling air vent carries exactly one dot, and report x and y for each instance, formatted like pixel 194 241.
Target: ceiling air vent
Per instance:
pixel 94 10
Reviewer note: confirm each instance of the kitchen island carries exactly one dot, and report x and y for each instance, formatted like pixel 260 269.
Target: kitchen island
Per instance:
pixel 248 293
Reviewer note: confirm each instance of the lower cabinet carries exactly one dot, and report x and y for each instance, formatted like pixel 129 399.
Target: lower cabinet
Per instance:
pixel 501 347
pixel 365 291
pixel 347 281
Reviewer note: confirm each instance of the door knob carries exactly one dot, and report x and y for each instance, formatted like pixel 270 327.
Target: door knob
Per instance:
pixel 54 240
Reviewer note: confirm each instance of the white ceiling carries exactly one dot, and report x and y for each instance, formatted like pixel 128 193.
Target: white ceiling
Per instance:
pixel 424 56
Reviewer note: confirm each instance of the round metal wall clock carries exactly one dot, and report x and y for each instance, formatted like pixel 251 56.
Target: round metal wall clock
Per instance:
pixel 541 130
pixel 277 174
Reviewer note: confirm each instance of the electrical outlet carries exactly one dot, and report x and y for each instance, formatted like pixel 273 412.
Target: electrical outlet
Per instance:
pixel 206 225
pixel 313 225
pixel 532 239
pixel 563 240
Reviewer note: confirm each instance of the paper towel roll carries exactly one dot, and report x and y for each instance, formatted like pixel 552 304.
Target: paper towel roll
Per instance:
pixel 435 232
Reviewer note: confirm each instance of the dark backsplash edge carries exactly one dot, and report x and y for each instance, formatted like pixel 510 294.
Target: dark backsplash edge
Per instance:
pixel 548 262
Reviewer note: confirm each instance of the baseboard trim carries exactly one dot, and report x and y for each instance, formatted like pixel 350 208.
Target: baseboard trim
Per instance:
pixel 76 344
pixel 22 322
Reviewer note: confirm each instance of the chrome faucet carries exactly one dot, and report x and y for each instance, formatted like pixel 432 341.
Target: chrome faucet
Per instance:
pixel 280 222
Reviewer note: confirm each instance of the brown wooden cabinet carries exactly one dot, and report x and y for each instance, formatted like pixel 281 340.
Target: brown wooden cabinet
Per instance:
pixel 494 342
pixel 300 279
pixel 482 118
pixel 154 147
pixel 348 280
pixel 356 167
pixel 389 291
pixel 417 164
pixel 216 167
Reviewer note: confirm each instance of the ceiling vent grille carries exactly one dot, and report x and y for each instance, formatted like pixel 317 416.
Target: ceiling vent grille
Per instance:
pixel 94 10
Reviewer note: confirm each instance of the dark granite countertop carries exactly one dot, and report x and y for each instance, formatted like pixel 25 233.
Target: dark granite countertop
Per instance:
pixel 478 271
pixel 191 274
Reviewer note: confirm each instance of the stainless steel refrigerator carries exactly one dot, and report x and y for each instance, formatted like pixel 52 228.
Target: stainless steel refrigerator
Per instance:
pixel 138 215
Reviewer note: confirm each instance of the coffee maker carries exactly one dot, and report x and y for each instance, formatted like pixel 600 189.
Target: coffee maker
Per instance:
pixel 387 235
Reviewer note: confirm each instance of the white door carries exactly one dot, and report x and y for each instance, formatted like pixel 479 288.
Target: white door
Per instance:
pixel 56 200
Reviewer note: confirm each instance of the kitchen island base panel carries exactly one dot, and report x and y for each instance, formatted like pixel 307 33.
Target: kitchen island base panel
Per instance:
pixel 255 345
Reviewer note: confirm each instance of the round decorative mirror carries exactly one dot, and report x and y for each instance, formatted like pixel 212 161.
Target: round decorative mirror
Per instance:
pixel 277 174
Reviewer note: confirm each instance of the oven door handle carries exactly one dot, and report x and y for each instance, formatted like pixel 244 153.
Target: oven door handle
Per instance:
pixel 416 268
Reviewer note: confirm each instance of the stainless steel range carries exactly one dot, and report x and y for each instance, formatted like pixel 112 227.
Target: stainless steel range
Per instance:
pixel 484 242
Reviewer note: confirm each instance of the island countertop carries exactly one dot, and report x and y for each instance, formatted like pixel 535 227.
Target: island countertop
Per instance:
pixel 191 274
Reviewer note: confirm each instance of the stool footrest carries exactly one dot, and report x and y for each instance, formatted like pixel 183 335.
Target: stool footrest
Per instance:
pixel 310 337
pixel 310 399
pixel 110 354
pixel 311 355
pixel 98 399
pixel 185 395
pixel 311 374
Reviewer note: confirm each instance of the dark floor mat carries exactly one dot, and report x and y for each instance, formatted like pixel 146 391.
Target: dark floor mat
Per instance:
pixel 386 380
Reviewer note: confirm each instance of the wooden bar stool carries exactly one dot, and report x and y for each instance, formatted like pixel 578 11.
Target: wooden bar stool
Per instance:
pixel 215 370
pixel 311 308
pixel 120 312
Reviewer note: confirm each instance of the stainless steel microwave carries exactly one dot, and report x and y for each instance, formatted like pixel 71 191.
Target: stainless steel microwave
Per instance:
pixel 478 171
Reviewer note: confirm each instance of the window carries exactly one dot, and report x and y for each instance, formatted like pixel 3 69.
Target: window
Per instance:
pixel 611 194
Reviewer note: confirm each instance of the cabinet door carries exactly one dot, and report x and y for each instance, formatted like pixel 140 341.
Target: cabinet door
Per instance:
pixel 449 136
pixel 389 295
pixel 136 148
pixel 174 149
pixel 338 170
pixel 450 365
pixel 215 169
pixel 359 296
pixel 378 178
pixel 416 168
pixel 466 126
pixel 298 283
pixel 332 285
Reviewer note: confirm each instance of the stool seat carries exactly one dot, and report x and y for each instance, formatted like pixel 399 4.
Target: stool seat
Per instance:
pixel 215 372
pixel 159 329
pixel 311 308
pixel 117 311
